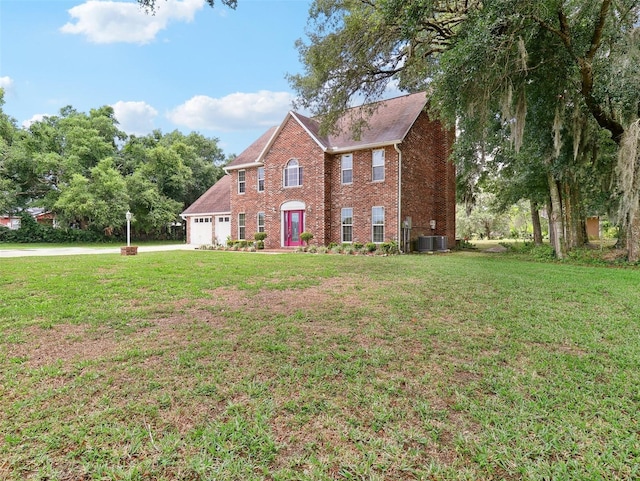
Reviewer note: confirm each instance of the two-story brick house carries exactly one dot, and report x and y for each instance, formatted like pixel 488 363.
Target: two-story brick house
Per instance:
pixel 395 175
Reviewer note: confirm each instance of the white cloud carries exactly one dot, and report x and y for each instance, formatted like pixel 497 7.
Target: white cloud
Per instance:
pixel 6 83
pixel 111 22
pixel 36 118
pixel 135 117
pixel 238 111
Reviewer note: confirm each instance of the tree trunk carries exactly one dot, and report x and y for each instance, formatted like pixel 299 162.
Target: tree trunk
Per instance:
pixel 535 220
pixel 555 217
pixel 567 210
pixel 580 217
pixel 621 242
pixel 578 225
pixel 633 239
pixel 552 231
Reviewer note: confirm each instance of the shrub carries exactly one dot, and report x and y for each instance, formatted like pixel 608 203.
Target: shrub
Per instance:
pixel 543 252
pixel 306 237
pixel 260 236
pixel 389 247
pixel 30 231
pixel 465 244
pixel 370 246
pixel 336 249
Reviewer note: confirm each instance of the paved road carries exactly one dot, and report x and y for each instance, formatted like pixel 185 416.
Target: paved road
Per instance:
pixel 72 251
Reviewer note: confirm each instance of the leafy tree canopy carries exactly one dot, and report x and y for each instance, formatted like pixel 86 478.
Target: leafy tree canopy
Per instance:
pixel 89 173
pixel 530 85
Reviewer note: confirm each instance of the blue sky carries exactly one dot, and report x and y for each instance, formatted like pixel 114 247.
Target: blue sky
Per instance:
pixel 189 67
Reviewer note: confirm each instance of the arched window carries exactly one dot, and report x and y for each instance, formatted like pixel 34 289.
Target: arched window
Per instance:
pixel 293 174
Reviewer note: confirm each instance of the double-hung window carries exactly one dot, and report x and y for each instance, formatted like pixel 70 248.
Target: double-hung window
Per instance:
pixel 260 221
pixel 377 222
pixel 260 179
pixel 241 181
pixel 347 169
pixel 293 174
pixel 377 165
pixel 241 226
pixel 346 219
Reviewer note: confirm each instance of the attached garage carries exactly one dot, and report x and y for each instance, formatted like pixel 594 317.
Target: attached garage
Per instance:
pixel 222 228
pixel 209 218
pixel 201 229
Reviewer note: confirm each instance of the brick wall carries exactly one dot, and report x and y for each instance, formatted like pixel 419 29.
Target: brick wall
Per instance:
pixel 363 194
pixel 293 142
pixel 428 179
pixel 428 187
pixel 250 202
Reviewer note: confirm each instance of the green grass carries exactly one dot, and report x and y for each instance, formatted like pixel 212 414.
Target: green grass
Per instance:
pixel 238 366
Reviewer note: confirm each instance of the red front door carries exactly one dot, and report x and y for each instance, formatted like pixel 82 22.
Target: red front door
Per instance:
pixel 293 226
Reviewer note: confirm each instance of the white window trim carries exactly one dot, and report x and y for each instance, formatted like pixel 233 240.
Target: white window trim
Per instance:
pixel 258 181
pixel 373 225
pixel 242 182
pixel 343 170
pixel 242 226
pixel 374 165
pixel 258 222
pixel 298 176
pixel 343 225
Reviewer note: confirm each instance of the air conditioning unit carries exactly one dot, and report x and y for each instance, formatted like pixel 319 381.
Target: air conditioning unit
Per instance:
pixel 425 243
pixel 440 243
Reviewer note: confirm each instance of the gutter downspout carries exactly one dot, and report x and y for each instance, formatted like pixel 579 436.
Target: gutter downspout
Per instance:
pixel 399 229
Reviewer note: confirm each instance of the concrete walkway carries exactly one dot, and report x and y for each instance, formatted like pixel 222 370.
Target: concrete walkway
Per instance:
pixel 73 251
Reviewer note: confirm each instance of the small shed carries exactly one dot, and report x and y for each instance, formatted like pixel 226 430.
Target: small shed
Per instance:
pixel 593 228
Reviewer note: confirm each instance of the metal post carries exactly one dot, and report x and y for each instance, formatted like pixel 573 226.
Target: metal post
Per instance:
pixel 128 215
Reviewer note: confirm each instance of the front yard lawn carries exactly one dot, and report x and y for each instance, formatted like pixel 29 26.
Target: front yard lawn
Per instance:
pixel 237 366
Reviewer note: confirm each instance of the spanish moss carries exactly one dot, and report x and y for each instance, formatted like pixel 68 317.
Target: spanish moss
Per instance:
pixel 628 171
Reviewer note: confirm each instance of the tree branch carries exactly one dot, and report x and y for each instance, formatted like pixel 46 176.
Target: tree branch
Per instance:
pixel 597 32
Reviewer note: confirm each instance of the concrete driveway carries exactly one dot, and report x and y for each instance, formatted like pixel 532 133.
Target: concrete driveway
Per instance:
pixel 73 251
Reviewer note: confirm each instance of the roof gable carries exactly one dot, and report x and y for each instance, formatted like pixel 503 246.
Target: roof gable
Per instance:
pixel 387 122
pixel 253 153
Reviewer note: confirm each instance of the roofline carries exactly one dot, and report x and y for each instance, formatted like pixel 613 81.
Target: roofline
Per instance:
pixel 267 146
pixel 311 134
pixel 255 163
pixel 184 216
pixel 258 162
pixel 327 149
pixel 340 150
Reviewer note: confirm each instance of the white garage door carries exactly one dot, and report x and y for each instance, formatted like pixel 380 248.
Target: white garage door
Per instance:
pixel 223 228
pixel 201 230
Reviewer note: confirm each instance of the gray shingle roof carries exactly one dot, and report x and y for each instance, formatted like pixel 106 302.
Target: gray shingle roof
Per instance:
pixel 389 123
pixel 215 200
pixel 252 153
